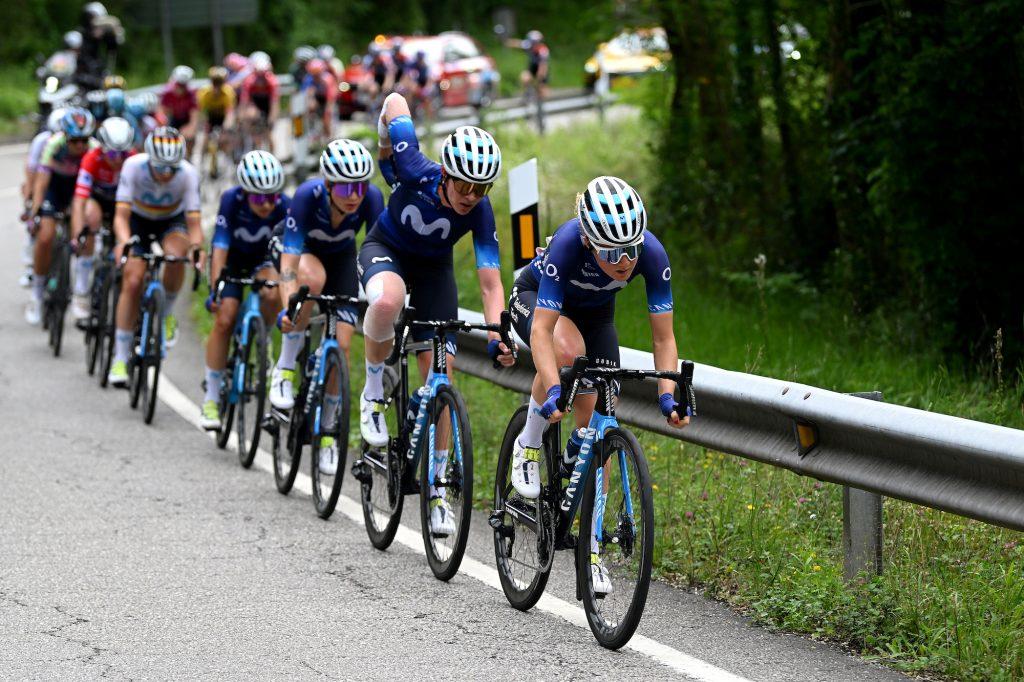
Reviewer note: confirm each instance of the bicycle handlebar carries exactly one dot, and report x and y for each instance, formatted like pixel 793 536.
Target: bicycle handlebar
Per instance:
pixel 303 295
pixel 255 282
pixel 406 323
pixel 570 377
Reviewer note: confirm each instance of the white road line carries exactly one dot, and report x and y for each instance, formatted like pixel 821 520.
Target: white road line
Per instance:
pixel 681 663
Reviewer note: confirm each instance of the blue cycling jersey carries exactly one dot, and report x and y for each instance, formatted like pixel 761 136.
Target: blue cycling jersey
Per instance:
pixel 239 229
pixel 567 273
pixel 415 220
pixel 308 227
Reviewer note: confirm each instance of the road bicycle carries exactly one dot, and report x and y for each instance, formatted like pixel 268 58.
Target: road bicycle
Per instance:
pixel 57 293
pixel 433 422
pixel 307 421
pixel 103 278
pixel 149 346
pixel 243 389
pixel 608 484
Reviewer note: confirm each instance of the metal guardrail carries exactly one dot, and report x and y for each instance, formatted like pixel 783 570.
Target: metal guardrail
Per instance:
pixel 948 463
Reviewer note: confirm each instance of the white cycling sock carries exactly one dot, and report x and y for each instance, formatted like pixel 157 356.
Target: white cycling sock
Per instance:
pixel 291 344
pixel 38 285
pixel 331 407
pixel 440 469
pixel 533 432
pixel 83 268
pixel 213 379
pixel 374 389
pixel 123 344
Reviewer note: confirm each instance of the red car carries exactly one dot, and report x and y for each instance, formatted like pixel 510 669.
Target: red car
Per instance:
pixel 464 74
pixel 349 99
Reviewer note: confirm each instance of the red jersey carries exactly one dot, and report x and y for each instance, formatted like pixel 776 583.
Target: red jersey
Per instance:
pixel 97 176
pixel 262 85
pixel 180 103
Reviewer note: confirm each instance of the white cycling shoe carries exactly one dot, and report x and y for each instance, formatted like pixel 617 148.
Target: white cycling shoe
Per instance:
pixel 373 426
pixel 80 307
pixel 599 576
pixel 442 521
pixel 526 471
pixel 282 390
pixel 328 456
pixel 32 312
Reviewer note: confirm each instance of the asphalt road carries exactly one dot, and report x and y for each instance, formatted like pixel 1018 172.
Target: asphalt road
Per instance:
pixel 129 551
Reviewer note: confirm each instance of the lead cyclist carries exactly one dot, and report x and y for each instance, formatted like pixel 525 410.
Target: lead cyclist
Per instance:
pixel 431 207
pixel 564 303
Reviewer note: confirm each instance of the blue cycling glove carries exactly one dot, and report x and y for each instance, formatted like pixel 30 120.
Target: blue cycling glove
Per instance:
pixel 668 404
pixel 209 303
pixel 549 407
pixel 493 349
pixel 281 316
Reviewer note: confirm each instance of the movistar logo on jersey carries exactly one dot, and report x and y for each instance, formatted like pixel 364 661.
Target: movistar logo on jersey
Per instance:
pixel 323 236
pixel 163 199
pixel 412 217
pixel 250 237
pixel 610 286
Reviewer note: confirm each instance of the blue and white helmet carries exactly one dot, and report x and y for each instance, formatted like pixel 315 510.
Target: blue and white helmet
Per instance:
pixel 53 121
pixel 611 213
pixel 259 172
pixel 78 122
pixel 471 154
pixel 346 161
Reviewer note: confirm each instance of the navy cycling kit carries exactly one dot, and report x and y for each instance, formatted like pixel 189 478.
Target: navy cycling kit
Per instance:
pixel 244 235
pixel 308 229
pixel 415 235
pixel 567 279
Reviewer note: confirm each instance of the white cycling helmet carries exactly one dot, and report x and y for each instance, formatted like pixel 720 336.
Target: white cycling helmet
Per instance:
pixel 471 154
pixel 259 172
pixel 53 121
pixel 116 134
pixel 73 40
pixel 611 213
pixel 346 161
pixel 166 146
pixel 260 61
pixel 182 74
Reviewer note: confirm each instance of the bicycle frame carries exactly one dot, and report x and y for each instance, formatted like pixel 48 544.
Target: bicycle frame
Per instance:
pixel 250 308
pixel 151 289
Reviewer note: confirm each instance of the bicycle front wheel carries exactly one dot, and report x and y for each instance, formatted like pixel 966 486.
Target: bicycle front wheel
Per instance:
pixel 97 313
pixel 446 483
pixel 523 528
pixel 616 532
pixel 108 325
pixel 61 282
pixel 380 477
pixel 153 355
pixel 253 393
pixel 328 475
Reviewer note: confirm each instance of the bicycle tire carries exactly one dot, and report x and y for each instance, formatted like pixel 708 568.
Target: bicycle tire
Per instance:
pixel 153 358
pixel 225 407
pixel 59 296
pixel 609 635
pixel 254 388
pixel 444 559
pixel 287 455
pixel 325 504
pixel 384 470
pixel 520 593
pixel 97 313
pixel 108 328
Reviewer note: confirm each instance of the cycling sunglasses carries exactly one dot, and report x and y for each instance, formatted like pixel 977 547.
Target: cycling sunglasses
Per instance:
pixel 163 169
pixel 78 140
pixel 114 154
pixel 613 256
pixel 481 189
pixel 343 190
pixel 260 199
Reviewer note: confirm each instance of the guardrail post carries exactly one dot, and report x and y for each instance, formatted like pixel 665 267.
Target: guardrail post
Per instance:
pixel 862 525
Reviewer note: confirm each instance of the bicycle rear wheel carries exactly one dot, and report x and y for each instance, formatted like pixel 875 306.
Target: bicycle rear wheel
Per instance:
pixel 327 487
pixel 447 425
pixel 253 394
pixel 625 537
pixel 225 407
pixel 288 450
pixel 97 313
pixel 523 529
pixel 380 478
pixel 108 326
pixel 59 283
pixel 153 357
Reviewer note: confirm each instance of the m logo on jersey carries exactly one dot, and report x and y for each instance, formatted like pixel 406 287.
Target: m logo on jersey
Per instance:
pixel 163 199
pixel 261 234
pixel 611 286
pixel 323 236
pixel 412 217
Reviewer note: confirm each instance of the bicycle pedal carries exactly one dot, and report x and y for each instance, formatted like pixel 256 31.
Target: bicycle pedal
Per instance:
pixel 360 473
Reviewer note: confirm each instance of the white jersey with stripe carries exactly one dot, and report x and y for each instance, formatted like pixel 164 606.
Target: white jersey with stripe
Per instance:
pixel 158 200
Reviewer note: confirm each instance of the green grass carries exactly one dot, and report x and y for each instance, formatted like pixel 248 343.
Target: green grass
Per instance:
pixel 17 100
pixel 951 599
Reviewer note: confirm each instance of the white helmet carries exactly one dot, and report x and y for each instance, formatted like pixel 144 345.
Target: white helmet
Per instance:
pixel 260 61
pixel 53 121
pixel 611 213
pixel 166 146
pixel 260 172
pixel 73 40
pixel 346 161
pixel 182 74
pixel 325 52
pixel 116 134
pixel 471 154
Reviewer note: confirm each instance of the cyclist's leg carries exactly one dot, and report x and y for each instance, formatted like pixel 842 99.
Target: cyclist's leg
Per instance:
pixel 270 302
pixel 174 242
pixel 43 253
pixel 127 312
pixel 343 280
pixel 217 342
pixel 84 259
pixel 384 283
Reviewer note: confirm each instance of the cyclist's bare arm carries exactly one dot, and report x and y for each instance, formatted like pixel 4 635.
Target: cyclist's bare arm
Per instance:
pixel 39 191
pixel 77 215
pixel 542 345
pixel 394 106
pixel 218 257
pixel 493 295
pixel 666 357
pixel 122 226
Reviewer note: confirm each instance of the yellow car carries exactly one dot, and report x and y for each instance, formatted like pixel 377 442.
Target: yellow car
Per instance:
pixel 631 53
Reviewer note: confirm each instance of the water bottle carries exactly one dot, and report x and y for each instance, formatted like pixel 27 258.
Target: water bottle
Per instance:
pixel 414 404
pixel 572 452
pixel 312 361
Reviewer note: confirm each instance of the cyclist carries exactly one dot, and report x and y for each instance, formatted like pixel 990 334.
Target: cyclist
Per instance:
pixel 178 104
pixel 157 200
pixel 302 56
pixel 217 104
pixel 245 222
pixel 321 91
pixel 399 62
pixel 538 57
pixel 260 98
pixel 93 204
pixel 564 304
pixel 334 65
pixel 54 187
pixel 319 251
pixel 419 82
pixel 432 207
pixel 238 70
pixel 35 153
